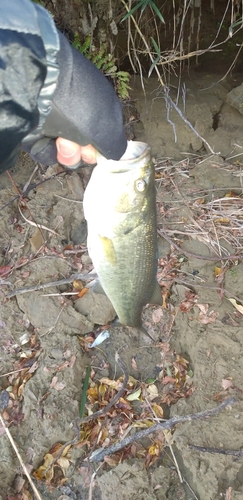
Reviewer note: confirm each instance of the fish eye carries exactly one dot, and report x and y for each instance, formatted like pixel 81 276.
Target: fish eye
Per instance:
pixel 140 185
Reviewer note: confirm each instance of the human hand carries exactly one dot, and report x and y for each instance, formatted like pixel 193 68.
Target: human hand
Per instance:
pixel 85 112
pixel 69 153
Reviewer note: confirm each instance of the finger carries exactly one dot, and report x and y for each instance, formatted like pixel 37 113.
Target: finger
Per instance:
pixel 68 152
pixel 88 154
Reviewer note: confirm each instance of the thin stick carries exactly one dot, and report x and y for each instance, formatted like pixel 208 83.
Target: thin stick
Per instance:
pixel 20 459
pixel 11 373
pixel 234 453
pixel 65 281
pixel 39 226
pixel 92 482
pixel 97 456
pixel 197 256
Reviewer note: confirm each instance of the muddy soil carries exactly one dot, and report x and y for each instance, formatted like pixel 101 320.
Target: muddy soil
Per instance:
pixel 209 333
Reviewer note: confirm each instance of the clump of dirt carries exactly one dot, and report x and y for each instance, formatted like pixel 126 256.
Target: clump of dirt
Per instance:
pixel 44 355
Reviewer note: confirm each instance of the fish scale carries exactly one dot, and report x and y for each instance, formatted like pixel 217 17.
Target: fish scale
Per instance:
pixel 120 209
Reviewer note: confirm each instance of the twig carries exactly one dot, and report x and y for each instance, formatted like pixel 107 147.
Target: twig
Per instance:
pixel 20 459
pixel 39 226
pixel 234 453
pixel 98 455
pixel 210 287
pixel 65 281
pixel 191 490
pixel 30 188
pixel 197 256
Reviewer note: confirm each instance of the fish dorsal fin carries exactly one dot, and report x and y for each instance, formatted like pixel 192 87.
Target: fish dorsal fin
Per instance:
pixel 156 296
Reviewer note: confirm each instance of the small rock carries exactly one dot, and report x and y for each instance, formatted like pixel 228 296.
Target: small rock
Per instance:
pixel 235 98
pixel 86 260
pixel 75 185
pixel 79 233
pixel 96 307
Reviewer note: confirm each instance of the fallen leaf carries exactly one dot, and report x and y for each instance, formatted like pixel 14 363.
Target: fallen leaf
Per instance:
pixel 25 274
pixel 53 382
pixel 59 386
pixel 45 471
pixel 238 306
pixel 168 380
pixel 64 463
pixel 222 220
pixel 226 383
pixel 232 194
pixel 4 270
pixel 134 364
pixel 19 483
pixel 77 285
pixel 203 308
pixel 157 315
pixel 158 410
pixel 152 391
pixel 217 270
pixel 134 395
pixel 228 493
pixel 204 316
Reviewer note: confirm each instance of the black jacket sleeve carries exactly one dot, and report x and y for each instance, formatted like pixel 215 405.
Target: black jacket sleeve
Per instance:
pixel 22 74
pixel 48 89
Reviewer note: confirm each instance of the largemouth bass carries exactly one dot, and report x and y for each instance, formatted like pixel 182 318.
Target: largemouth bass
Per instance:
pixel 120 209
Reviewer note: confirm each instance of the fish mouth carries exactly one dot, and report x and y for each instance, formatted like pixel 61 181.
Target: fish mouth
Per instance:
pixel 137 152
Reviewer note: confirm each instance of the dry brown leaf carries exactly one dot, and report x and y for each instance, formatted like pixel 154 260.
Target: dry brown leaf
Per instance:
pixel 59 386
pixel 152 392
pixel 227 383
pixel 222 220
pixel 134 364
pixel 26 495
pixel 157 315
pixel 113 460
pixel 206 317
pixel 64 464
pixel 228 493
pixel 158 410
pixel 53 382
pixel 77 285
pixel 217 270
pixel 42 472
pixel 168 380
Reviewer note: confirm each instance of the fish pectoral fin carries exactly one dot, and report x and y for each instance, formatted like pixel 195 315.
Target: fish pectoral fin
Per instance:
pixel 97 287
pixel 156 296
pixel 108 249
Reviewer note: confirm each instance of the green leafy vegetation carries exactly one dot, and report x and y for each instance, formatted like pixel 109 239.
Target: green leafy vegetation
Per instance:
pixel 143 4
pixel 105 62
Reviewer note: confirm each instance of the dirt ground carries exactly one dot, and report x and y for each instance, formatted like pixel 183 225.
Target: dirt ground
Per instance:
pixel 200 210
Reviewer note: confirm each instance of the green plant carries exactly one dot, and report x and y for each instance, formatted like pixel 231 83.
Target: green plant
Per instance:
pixel 105 62
pixel 143 4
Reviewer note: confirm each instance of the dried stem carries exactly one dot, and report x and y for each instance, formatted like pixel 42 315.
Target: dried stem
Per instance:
pixel 98 456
